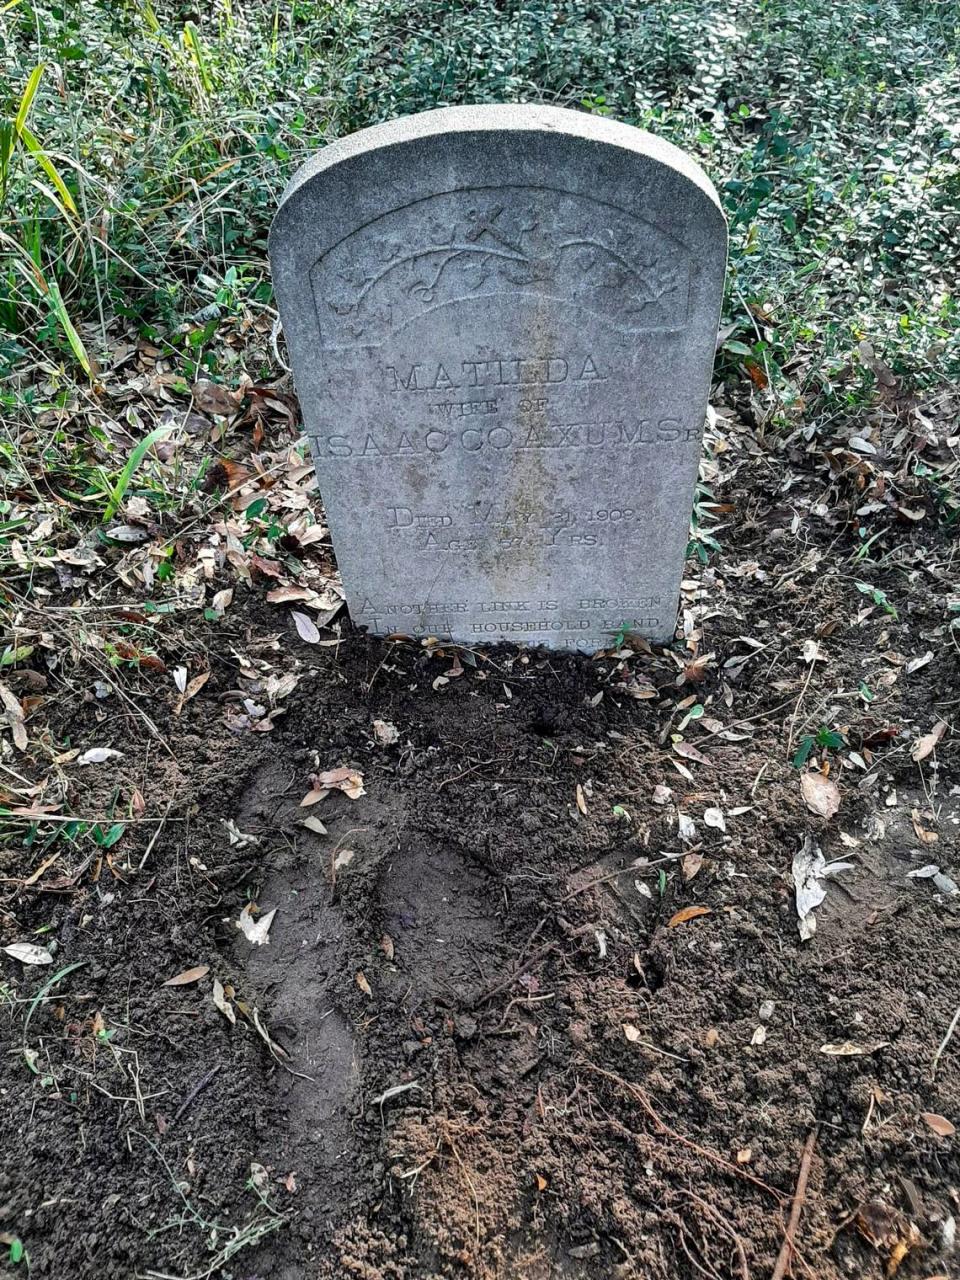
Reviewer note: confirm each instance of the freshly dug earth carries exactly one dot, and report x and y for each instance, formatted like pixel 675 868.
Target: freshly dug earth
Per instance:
pixel 488 1037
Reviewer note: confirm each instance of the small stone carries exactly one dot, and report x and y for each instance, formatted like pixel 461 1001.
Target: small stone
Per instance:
pixel 584 1250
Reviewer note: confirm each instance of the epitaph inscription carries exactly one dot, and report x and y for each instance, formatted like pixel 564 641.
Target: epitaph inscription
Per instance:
pixel 502 323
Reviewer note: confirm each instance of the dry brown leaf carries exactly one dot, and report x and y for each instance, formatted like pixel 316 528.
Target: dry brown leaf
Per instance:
pixel 581 802
pixel 287 594
pixel 848 1049
pixel 211 397
pixel 887 1228
pixel 690 753
pixel 939 1124
pixel 923 746
pixel 688 913
pixel 191 691
pixel 221 999
pixel 306 628
pixel 690 864
pixel 821 794
pixel 386 946
pixel 363 984
pixel 922 834
pixel 15 717
pixel 385 732
pixel 189 975
pixel 542 1182
pixel 349 781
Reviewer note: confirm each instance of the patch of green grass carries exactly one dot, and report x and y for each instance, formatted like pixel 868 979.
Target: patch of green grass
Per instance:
pixel 144 151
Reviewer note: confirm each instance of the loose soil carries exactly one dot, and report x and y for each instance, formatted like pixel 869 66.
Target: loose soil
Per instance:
pixel 482 1041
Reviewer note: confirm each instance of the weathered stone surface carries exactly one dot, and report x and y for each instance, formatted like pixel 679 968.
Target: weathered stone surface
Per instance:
pixel 502 323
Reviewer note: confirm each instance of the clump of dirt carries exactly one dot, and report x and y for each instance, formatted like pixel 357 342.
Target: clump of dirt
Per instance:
pixel 489 1036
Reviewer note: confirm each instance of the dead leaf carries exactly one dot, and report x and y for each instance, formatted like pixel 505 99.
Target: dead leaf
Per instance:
pixel 211 397
pixel 290 1182
pixel 189 975
pixel 192 689
pixel 241 839
pixel 923 746
pixel 688 913
pixel 916 663
pixel 221 1001
pixel 313 824
pixel 887 1228
pixel 714 818
pixel 849 1049
pixel 690 753
pixel 363 984
pixel 99 755
pixel 385 732
pixel 306 629
pixel 922 834
pixel 810 869
pixel 386 946
pixel 255 931
pixel 287 594
pixel 349 781
pixel 28 953
pixel 821 794
pixel 690 864
pixel 581 802
pixel 939 1124
pixel 811 651
pixel 15 717
pixel 686 828
pixel 631 1032
pixel 542 1182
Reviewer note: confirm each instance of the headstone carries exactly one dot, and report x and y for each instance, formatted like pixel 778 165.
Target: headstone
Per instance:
pixel 502 323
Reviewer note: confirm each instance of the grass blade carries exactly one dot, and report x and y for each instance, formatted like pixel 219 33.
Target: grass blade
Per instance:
pixel 51 982
pixel 32 143
pixel 137 455
pixel 76 342
pixel 26 102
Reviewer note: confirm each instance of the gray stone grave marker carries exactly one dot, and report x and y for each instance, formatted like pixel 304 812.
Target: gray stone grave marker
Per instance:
pixel 502 323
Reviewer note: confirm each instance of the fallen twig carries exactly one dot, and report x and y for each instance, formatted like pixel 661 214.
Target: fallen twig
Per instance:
pixel 195 1091
pixel 799 1195
pixel 943 1043
pixel 156 835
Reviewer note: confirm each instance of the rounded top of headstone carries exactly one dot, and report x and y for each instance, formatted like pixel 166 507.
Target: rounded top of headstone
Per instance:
pixel 526 118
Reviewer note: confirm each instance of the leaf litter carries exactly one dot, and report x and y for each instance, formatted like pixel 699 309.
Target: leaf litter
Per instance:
pixel 810 870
